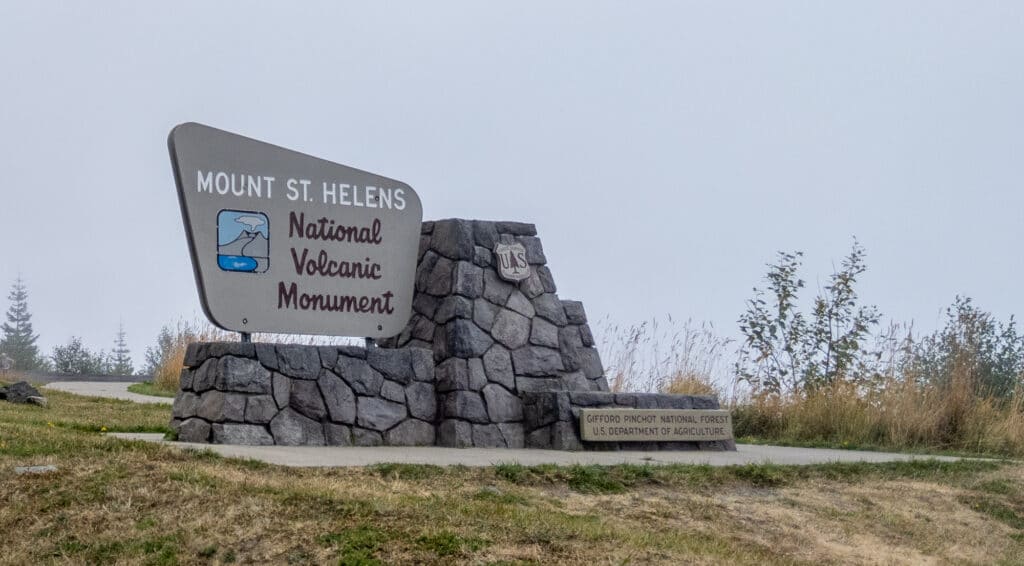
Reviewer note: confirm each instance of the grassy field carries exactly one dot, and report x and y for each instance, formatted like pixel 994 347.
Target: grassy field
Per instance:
pixel 148 388
pixel 115 501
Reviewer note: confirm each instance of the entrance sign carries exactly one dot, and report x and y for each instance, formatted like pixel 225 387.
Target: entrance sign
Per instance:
pixel 285 242
pixel 655 425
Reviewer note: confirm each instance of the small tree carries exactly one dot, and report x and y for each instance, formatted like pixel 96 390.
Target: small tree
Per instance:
pixel 75 358
pixel 784 350
pixel 120 356
pixel 19 341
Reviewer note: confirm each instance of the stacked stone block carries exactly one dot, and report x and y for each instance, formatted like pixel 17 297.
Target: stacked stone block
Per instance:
pixel 493 339
pixel 262 394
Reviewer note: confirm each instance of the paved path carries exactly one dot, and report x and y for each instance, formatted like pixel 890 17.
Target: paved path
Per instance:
pixel 110 390
pixel 329 456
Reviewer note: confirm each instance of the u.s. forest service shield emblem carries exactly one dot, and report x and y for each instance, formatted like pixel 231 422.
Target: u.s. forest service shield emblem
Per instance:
pixel 511 262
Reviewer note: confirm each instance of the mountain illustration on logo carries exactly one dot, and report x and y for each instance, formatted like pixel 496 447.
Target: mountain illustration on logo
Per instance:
pixel 243 241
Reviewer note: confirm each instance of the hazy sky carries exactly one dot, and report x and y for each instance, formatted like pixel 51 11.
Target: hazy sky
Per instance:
pixel 665 150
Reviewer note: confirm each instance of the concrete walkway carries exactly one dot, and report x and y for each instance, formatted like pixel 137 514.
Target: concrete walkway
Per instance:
pixel 110 390
pixel 332 457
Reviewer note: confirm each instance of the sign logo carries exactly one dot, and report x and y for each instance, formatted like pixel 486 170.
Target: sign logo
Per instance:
pixel 243 241
pixel 511 260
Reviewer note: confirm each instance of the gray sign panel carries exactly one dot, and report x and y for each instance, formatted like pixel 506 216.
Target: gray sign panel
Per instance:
pixel 285 242
pixel 655 425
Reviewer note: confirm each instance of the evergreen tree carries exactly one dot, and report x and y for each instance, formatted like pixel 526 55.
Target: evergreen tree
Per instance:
pixel 18 341
pixel 120 358
pixel 75 358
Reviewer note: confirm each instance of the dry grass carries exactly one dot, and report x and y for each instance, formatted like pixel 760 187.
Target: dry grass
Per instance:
pixel 118 502
pixel 895 415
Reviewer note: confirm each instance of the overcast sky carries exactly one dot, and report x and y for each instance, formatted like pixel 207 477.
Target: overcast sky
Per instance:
pixel 665 150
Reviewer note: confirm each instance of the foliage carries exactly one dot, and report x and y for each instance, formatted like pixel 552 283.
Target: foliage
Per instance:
pixel 971 342
pixel 120 361
pixel 75 358
pixel 19 341
pixel 784 349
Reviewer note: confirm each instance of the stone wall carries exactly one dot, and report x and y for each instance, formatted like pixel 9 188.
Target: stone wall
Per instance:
pixel 235 393
pixel 493 339
pixel 551 418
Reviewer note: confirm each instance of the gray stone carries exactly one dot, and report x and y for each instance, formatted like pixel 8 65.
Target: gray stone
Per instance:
pixel 487 436
pixel 411 433
pixel 205 377
pixel 483 313
pixel 260 409
pixel 569 344
pixel 590 362
pixel 379 414
pixel 440 344
pixel 482 256
pixel 306 399
pixel 532 285
pixel 338 435
pixel 546 280
pixel 301 362
pixel 537 361
pixel 498 367
pixel 600 384
pixel 245 434
pixel 211 406
pixel 292 429
pixel 625 399
pixel 427 227
pixel 455 433
pixel 477 376
pixel 357 352
pixel 282 386
pixel 544 333
pixel 541 409
pixel 242 375
pixel 422 361
pixel 704 402
pixel 539 438
pixel 452 375
pixel 424 330
pixel 267 355
pixel 421 400
pixel 511 329
pixel 239 349
pixel 453 306
pixel 439 282
pixel 363 437
pixel 424 269
pixel 495 289
pixel 485 234
pixel 592 399
pixel 516 228
pixel 519 303
pixel 338 397
pixel 195 354
pixel 534 251
pixel 194 430
pixel 392 363
pixel 502 406
pixel 357 373
pixel 185 405
pixel 565 437
pixel 453 238
pixel 393 392
pixel 524 384
pixel 185 379
pixel 549 307
pixel 586 336
pixel 38 400
pixel 574 312
pixel 465 405
pixel 328 356
pixel 675 401
pixel 513 434
pixel 424 246
pixel 468 280
pixel 424 304
pixel 466 340
pixel 575 381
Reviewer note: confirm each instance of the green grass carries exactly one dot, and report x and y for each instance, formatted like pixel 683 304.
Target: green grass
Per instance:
pixel 147 388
